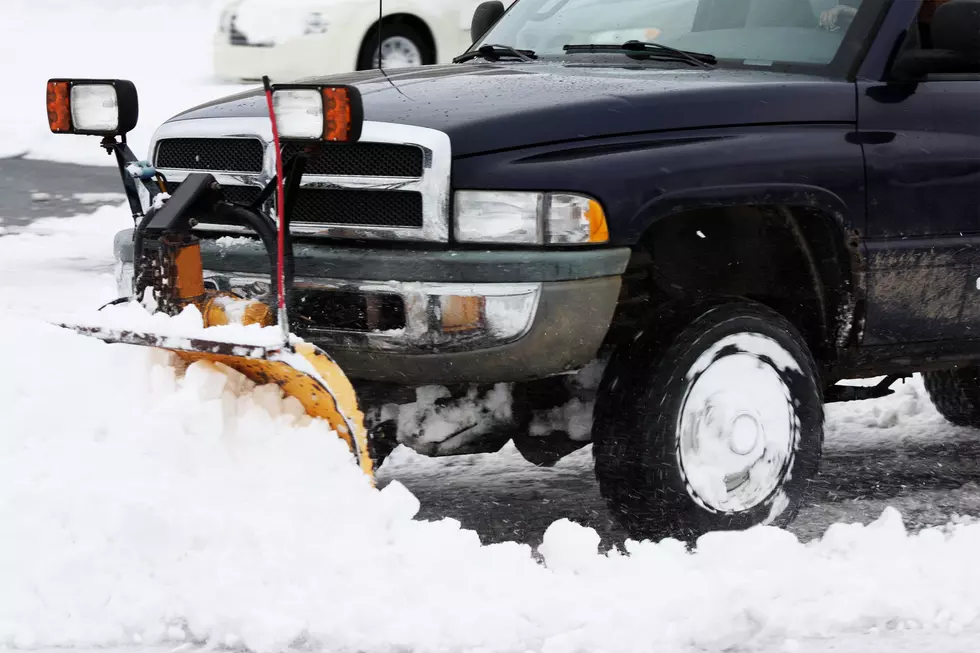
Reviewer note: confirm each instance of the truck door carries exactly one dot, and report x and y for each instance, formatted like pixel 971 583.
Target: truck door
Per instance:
pixel 921 141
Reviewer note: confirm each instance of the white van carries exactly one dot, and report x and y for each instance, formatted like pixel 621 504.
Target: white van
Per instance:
pixel 299 38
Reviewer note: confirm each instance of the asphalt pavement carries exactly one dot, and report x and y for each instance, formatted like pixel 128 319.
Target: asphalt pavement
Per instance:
pixel 42 189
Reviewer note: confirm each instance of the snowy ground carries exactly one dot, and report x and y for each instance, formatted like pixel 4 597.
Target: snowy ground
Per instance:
pixel 145 510
pixel 151 510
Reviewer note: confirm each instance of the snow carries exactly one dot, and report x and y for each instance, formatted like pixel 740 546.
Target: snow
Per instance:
pixel 151 507
pixel 904 418
pixel 159 200
pixel 99 198
pixel 292 545
pixel 60 268
pixel 163 47
pixel 178 331
pixel 436 422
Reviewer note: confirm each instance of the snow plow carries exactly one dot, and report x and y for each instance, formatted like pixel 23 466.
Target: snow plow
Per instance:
pixel 168 272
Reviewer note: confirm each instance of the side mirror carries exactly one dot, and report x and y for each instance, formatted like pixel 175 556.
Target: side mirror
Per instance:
pixel 955 49
pixel 485 17
pixel 97 107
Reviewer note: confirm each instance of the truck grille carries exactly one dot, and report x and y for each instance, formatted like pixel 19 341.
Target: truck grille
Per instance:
pixel 362 160
pixel 211 154
pixel 392 184
pixel 236 194
pixel 341 207
pixel 358 208
pixel 246 155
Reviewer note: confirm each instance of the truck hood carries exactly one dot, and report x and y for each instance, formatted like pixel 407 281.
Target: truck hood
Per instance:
pixel 487 107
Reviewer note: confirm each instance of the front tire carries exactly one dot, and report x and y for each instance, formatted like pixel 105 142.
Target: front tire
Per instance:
pixel 715 425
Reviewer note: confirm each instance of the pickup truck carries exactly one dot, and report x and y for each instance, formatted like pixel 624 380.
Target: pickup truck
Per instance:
pixel 665 228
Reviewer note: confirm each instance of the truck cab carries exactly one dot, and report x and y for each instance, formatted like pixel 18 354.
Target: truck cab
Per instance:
pixel 667 228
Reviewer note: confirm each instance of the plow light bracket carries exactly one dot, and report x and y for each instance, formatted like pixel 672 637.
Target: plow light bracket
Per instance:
pixel 313 112
pixel 96 107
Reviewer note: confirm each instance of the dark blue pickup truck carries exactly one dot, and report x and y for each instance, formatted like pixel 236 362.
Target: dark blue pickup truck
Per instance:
pixel 665 227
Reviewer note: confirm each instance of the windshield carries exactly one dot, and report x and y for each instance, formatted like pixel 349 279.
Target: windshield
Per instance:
pixel 759 32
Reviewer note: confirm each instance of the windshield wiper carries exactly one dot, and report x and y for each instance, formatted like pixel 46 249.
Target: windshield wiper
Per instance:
pixel 495 52
pixel 650 48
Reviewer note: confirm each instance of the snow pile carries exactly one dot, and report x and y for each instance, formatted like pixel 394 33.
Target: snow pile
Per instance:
pixel 144 504
pixel 178 330
pixel 438 422
pixel 61 268
pixel 157 507
pixel 164 47
pixel 904 418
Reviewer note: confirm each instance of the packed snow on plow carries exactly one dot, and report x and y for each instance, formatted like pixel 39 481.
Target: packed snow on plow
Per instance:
pixel 250 336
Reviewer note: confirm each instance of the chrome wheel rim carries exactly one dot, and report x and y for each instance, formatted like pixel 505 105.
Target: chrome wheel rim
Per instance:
pixel 398 52
pixel 738 428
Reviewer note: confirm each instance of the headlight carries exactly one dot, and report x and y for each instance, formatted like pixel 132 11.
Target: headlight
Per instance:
pixel 299 113
pixel 95 108
pixel 101 107
pixel 314 112
pixel 527 218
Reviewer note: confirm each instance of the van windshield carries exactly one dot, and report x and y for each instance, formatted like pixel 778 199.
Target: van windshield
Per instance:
pixel 759 32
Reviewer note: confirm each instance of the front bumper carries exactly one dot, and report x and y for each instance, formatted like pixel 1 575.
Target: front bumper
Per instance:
pixel 540 313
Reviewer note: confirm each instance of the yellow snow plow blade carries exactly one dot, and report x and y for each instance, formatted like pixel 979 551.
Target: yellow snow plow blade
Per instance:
pixel 302 371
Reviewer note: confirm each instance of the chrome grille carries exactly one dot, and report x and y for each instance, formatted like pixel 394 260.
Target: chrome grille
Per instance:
pixel 222 154
pixel 237 194
pixel 361 159
pixel 392 184
pixel 358 208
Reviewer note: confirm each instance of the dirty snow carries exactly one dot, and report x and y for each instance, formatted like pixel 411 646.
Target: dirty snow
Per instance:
pixel 436 422
pixel 115 546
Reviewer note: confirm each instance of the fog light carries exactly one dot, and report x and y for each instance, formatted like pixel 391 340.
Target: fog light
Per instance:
pixel 509 316
pixel 462 313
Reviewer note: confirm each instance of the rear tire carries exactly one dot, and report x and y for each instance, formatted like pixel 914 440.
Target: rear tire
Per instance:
pixel 716 424
pixel 956 394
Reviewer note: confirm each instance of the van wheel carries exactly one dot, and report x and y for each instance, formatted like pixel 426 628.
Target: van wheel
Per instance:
pixel 956 394
pixel 401 47
pixel 715 425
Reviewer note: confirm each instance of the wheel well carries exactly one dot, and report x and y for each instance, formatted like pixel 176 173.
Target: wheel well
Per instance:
pixel 410 20
pixel 794 260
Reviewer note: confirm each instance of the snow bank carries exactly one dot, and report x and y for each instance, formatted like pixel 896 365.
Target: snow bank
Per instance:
pixel 904 418
pixel 59 268
pixel 146 505
pixel 164 47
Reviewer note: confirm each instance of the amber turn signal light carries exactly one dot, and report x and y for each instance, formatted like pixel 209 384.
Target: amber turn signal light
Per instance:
pixel 99 107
